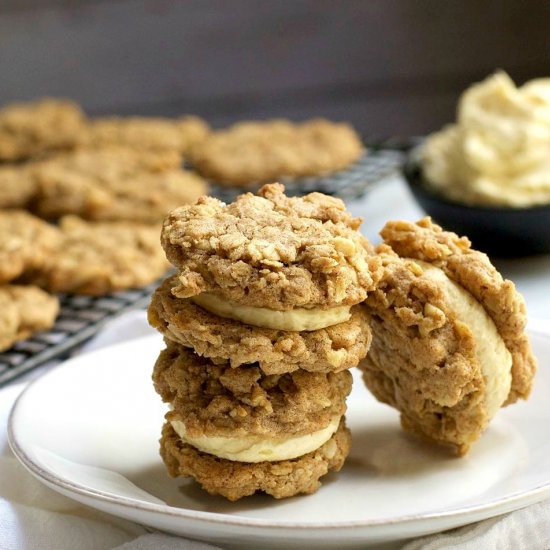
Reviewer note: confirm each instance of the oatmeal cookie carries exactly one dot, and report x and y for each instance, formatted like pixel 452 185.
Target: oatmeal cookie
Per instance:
pixel 473 271
pixel 17 186
pixel 422 359
pixel 438 354
pixel 217 400
pixel 235 480
pixel 24 310
pixel 271 251
pixel 154 134
pixel 31 129
pixel 115 183
pixel 333 348
pixel 26 243
pixel 96 258
pixel 259 152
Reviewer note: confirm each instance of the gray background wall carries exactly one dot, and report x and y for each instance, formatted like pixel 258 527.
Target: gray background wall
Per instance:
pixel 389 66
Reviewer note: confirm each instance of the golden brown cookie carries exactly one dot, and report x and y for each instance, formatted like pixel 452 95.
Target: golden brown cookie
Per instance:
pixel 97 258
pixel 235 480
pixel 17 186
pixel 438 353
pixel 154 134
pixel 271 251
pixel 259 152
pixel 473 271
pixel 26 243
pixel 44 126
pixel 116 183
pixel 24 310
pixel 217 400
pixel 334 348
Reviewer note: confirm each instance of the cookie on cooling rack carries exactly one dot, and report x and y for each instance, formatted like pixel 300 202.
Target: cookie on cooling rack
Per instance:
pixel 97 258
pixel 31 129
pixel 26 243
pixel 17 186
pixel 24 310
pixel 155 134
pixel 250 153
pixel 113 183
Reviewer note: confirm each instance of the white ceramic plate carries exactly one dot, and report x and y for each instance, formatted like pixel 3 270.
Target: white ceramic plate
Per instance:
pixel 89 430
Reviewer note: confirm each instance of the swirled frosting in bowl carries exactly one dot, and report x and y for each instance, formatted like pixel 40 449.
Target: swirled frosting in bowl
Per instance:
pixel 498 151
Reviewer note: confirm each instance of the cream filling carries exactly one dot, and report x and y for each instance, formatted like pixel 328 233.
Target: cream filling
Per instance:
pixel 297 319
pixel 490 350
pixel 258 449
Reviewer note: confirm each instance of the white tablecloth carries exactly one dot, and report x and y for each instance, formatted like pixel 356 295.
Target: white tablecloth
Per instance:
pixel 34 517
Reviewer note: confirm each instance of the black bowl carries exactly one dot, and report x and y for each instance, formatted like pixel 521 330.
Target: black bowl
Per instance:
pixel 498 231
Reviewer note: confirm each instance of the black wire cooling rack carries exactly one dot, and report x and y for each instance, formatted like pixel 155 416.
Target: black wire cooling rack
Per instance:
pixel 80 317
pixel 349 184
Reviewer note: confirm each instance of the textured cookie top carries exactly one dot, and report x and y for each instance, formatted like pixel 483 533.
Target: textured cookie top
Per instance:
pixel 217 400
pixel 473 271
pixel 17 186
pixel 23 311
pixel 146 133
pixel 25 243
pixel 98 258
pixel 255 152
pixel 30 129
pixel 271 251
pixel 113 183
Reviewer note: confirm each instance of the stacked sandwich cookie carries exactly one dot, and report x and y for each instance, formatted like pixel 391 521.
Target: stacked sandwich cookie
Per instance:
pixel 262 322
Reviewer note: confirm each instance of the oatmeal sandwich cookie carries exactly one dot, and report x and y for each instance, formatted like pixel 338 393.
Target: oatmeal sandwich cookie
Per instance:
pixel 249 153
pixel 24 310
pixel 261 323
pixel 271 261
pixel 234 479
pixel 333 348
pixel 263 427
pixel 449 345
pixel 35 128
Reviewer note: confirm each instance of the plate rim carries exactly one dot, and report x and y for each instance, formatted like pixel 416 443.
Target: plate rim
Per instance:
pixel 540 327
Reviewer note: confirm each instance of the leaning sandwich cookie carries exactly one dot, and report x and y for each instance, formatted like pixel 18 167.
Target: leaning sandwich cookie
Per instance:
pixel 262 321
pixel 449 346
